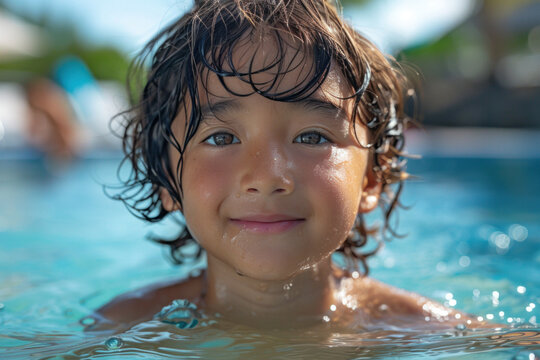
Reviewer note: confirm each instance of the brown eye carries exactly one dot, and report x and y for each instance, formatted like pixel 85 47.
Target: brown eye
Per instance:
pixel 311 138
pixel 221 139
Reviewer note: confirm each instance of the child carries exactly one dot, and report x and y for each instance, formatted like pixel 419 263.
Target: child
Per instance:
pixel 273 127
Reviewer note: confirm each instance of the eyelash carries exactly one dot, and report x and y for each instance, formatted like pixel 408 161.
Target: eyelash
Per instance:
pixel 313 132
pixel 211 140
pixel 213 137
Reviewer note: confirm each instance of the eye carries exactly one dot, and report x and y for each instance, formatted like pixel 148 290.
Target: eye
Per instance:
pixel 311 138
pixel 221 139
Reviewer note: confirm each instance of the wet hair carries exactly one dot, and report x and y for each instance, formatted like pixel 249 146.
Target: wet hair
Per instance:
pixel 174 68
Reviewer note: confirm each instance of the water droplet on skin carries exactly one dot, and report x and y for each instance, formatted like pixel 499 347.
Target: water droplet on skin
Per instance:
pixel 233 239
pixel 181 313
pixel 383 307
pixel 287 286
pixel 114 343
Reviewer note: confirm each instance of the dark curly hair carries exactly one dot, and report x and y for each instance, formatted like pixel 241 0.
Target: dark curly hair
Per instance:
pixel 203 40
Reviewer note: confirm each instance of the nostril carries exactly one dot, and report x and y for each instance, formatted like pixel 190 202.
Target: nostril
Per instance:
pixel 252 190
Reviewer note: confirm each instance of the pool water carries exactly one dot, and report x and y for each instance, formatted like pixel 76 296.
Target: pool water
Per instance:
pixel 473 236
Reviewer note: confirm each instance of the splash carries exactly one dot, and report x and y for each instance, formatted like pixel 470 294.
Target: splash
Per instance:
pixel 114 343
pixel 460 330
pixel 181 313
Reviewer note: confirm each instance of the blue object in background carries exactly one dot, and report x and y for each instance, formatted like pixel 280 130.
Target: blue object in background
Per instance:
pixel 72 74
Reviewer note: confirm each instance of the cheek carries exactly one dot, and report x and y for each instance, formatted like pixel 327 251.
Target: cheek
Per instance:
pixel 204 182
pixel 342 174
pixel 203 179
pixel 338 183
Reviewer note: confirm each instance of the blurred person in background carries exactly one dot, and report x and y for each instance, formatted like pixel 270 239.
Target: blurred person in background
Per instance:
pixel 51 125
pixel 57 92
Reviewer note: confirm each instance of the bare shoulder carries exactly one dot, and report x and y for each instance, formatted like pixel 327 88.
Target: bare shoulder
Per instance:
pixel 381 302
pixel 378 299
pixel 142 304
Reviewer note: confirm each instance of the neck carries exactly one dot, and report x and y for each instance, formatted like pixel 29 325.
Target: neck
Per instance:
pixel 301 299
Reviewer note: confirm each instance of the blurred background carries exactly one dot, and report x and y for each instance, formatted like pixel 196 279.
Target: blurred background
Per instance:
pixel 63 66
pixel 66 248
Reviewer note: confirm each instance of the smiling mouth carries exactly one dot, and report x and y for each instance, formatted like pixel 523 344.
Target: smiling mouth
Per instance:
pixel 267 224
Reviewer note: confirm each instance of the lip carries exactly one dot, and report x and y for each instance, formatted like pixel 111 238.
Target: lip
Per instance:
pixel 267 223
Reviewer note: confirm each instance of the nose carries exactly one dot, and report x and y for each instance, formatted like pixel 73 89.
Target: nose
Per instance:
pixel 266 171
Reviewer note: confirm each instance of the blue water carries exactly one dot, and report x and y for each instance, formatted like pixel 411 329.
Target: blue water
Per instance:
pixel 473 236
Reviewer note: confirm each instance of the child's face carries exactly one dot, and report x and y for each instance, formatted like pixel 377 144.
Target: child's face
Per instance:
pixel 272 187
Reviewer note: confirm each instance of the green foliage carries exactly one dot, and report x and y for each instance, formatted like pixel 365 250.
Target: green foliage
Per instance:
pixel 104 62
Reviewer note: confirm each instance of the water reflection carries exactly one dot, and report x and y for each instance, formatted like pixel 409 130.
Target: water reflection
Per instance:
pixel 224 340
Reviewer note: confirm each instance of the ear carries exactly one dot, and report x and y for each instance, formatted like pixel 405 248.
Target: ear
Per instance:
pixel 167 201
pixel 371 192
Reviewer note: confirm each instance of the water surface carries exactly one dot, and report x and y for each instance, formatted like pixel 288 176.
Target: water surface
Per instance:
pixel 472 243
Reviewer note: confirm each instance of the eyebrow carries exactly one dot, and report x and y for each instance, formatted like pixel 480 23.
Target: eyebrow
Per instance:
pixel 211 109
pixel 320 105
pixel 311 104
